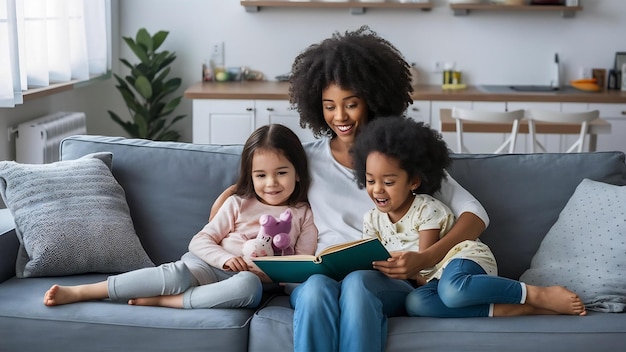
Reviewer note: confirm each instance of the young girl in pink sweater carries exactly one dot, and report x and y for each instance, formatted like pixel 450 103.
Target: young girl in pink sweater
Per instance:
pixel 274 176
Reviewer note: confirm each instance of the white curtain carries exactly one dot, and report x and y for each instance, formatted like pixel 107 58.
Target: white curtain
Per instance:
pixel 43 42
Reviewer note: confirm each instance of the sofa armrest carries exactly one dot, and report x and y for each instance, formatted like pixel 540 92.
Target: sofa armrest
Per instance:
pixel 9 245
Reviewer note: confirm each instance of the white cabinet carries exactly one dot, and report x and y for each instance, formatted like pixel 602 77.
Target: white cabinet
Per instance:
pixel 419 111
pixel 280 111
pixel 615 114
pixel 222 121
pixel 231 121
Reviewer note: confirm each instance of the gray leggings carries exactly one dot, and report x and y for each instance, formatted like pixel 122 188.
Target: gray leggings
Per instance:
pixel 202 285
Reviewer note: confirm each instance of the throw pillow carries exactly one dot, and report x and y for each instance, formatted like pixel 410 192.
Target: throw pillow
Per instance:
pixel 584 249
pixel 71 217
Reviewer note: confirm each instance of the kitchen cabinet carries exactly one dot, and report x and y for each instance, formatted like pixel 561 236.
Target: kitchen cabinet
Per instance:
pixel 419 111
pixel 222 121
pixel 464 9
pixel 227 113
pixel 280 111
pixel 231 121
pixel 355 7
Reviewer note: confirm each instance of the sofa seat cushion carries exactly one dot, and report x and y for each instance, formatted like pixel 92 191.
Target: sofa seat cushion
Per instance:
pixel 108 326
pixel 272 326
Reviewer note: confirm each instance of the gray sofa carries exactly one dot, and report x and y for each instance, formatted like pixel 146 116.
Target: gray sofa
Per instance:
pixel 170 188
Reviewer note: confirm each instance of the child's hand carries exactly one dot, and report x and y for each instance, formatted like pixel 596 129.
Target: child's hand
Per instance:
pixel 236 264
pixel 401 265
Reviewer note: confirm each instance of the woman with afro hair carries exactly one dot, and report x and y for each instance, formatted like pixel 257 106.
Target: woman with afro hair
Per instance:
pixel 338 86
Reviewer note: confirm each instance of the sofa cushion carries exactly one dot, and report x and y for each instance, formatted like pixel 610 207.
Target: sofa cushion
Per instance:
pixel 170 187
pixel 105 326
pixel 584 250
pixel 71 217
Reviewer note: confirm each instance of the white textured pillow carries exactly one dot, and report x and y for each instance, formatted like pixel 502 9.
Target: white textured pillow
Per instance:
pixel 585 250
pixel 71 217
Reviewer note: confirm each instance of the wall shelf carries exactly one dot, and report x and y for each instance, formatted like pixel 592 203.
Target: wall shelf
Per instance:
pixel 355 7
pixel 464 9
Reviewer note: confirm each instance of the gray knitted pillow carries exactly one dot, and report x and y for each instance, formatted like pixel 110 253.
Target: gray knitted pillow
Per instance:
pixel 584 250
pixel 71 217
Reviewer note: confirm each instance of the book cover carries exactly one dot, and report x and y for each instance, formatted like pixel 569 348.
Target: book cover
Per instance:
pixel 335 261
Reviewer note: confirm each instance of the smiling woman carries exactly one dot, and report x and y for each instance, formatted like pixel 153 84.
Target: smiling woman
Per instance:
pixel 44 43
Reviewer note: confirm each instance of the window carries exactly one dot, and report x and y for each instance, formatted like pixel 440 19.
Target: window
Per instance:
pixel 45 42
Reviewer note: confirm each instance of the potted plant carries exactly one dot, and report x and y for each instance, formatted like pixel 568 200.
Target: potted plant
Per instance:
pixel 146 89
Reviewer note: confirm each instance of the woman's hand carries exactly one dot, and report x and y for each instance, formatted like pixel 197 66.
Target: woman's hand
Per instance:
pixel 402 265
pixel 220 200
pixel 236 264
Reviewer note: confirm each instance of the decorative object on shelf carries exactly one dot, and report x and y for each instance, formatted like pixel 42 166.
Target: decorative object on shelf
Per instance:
pixel 146 87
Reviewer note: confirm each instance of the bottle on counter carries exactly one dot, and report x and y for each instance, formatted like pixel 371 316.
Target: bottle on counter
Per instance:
pixel 612 81
pixel 623 78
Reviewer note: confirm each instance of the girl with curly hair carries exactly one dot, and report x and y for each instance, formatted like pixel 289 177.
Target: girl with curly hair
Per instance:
pixel 401 163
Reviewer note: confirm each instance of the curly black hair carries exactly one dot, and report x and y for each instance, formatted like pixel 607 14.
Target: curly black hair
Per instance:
pixel 359 61
pixel 420 150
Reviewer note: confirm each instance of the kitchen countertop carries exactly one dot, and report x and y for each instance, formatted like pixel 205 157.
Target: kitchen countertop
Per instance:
pixel 273 90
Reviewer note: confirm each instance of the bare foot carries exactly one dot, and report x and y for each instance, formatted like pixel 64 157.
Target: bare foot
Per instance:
pixel 555 298
pixel 57 295
pixel 175 301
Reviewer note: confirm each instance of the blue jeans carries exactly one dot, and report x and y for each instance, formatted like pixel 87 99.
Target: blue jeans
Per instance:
pixel 464 290
pixel 350 315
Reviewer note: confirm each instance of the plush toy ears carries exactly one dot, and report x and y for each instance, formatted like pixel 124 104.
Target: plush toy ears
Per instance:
pixel 286 215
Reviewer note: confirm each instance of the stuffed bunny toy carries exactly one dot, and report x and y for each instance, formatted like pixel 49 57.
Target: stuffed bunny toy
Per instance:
pixel 273 237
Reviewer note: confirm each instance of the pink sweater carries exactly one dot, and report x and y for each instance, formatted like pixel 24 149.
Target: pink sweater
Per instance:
pixel 238 220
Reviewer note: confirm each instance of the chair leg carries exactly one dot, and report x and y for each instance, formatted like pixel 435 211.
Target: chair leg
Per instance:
pixel 580 142
pixel 459 136
pixel 531 133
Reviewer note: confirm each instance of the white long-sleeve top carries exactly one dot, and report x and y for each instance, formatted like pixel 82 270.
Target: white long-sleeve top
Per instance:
pixel 339 204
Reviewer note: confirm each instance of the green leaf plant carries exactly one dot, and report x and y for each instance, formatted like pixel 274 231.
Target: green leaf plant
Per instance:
pixel 146 89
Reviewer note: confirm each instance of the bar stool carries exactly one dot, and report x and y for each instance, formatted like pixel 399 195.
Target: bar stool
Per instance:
pixel 582 118
pixel 512 117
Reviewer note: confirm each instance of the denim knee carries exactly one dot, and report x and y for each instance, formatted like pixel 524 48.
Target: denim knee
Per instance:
pixel 357 280
pixel 451 291
pixel 316 291
pixel 416 303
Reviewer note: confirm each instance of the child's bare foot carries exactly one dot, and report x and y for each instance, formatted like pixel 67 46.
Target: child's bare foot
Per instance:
pixel 58 295
pixel 175 301
pixel 555 298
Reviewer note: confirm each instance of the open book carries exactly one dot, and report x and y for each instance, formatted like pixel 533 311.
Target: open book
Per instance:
pixel 335 261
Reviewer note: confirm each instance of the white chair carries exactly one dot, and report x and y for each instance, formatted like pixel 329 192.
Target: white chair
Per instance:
pixel 512 117
pixel 582 118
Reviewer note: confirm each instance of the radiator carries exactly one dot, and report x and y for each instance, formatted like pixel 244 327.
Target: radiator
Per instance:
pixel 37 141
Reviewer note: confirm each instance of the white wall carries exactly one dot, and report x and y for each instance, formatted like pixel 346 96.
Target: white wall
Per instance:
pixel 490 47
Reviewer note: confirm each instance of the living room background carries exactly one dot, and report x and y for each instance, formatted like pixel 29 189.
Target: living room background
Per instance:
pixel 490 47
